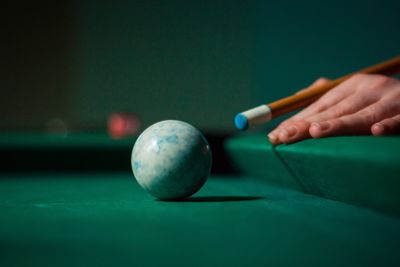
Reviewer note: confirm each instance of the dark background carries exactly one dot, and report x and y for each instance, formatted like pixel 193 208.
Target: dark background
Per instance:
pixel 197 61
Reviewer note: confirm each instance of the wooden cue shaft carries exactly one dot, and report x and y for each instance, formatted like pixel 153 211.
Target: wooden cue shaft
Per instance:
pixel 304 98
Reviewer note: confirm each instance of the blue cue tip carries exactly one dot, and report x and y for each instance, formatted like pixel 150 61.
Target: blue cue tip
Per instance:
pixel 241 122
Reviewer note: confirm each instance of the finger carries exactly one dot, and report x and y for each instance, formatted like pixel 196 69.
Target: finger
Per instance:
pixel 317 82
pixel 302 114
pixel 320 81
pixel 358 123
pixel 288 128
pixel 328 100
pixel 293 132
pixel 274 134
pixel 273 137
pixel 297 131
pixel 340 126
pixel 335 105
pixel 349 105
pixel 387 126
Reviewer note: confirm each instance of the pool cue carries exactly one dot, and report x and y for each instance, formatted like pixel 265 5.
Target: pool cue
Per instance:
pixel 267 112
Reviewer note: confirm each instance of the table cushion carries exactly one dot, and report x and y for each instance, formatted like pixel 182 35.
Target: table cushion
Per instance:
pixel 359 170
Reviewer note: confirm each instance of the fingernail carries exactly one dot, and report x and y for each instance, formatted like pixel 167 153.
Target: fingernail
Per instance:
pixel 380 128
pixel 283 134
pixel 272 137
pixel 322 125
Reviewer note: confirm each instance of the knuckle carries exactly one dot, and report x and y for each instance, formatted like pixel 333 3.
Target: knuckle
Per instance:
pixel 391 99
pixel 320 108
pixel 322 80
pixel 286 122
pixel 335 112
pixel 371 83
pixel 359 76
pixel 396 119
pixel 370 115
pixel 337 123
pixel 380 80
pixel 323 103
pixel 370 118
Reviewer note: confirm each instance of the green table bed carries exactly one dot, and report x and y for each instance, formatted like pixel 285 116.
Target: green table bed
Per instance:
pixel 103 218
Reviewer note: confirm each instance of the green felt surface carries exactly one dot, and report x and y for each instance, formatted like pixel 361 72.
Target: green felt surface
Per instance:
pixel 359 170
pixel 107 220
pixel 254 155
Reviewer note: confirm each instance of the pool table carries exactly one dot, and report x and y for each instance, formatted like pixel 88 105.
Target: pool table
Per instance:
pixel 75 215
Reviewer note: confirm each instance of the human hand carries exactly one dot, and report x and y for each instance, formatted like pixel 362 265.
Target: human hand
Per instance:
pixel 361 105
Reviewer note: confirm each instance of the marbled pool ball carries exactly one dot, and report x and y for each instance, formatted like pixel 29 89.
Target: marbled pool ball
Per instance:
pixel 171 160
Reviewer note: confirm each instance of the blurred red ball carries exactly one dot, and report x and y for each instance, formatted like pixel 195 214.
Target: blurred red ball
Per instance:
pixel 121 124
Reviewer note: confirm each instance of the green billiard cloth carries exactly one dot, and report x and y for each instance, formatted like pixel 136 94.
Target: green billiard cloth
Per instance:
pixel 106 219
pixel 362 170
